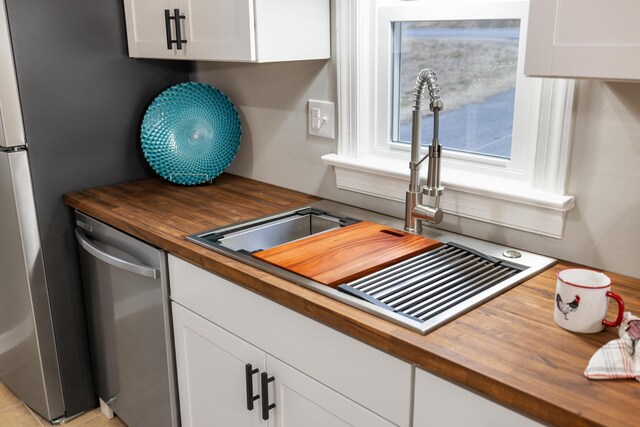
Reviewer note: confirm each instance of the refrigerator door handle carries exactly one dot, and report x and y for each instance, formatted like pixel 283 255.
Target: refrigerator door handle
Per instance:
pixel 139 269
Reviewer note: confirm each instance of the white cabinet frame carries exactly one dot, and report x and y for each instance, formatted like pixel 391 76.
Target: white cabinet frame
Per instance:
pixel 229 30
pixel 584 39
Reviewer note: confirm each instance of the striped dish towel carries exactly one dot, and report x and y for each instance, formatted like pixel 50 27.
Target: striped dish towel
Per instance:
pixel 619 358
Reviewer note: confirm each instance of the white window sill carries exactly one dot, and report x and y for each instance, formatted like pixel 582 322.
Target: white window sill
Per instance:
pixel 498 201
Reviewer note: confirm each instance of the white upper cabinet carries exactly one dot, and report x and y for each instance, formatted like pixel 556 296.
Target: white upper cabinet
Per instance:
pixel 584 39
pixel 229 30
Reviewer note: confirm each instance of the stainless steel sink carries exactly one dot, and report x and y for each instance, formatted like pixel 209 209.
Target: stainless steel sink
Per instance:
pixel 264 233
pixel 420 293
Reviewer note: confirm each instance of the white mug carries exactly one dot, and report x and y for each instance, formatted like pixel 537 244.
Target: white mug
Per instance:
pixel 581 300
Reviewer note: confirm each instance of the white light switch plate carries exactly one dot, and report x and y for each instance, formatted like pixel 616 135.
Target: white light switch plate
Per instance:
pixel 322 121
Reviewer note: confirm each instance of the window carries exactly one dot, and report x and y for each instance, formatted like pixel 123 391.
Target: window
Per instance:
pixel 476 61
pixel 506 136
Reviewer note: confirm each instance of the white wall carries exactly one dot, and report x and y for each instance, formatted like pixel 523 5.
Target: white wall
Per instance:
pixel 602 231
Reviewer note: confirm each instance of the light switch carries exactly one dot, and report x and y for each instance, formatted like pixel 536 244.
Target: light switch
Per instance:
pixel 322 119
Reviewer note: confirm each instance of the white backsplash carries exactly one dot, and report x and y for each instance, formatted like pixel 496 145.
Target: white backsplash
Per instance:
pixel 602 231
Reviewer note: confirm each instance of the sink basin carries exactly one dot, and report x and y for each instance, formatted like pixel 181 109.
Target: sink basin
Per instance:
pixel 264 233
pixel 420 293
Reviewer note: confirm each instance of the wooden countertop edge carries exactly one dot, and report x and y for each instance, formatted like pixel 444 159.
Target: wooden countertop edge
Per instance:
pixel 367 328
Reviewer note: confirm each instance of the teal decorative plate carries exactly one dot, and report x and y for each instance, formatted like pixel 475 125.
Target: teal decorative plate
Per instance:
pixel 190 133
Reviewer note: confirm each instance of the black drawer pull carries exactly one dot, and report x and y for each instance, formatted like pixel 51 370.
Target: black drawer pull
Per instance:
pixel 167 22
pixel 249 371
pixel 264 385
pixel 177 18
pixel 167 28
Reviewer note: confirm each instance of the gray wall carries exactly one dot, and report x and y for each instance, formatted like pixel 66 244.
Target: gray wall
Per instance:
pixel 83 99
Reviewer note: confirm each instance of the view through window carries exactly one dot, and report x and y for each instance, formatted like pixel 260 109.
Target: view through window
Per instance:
pixel 475 61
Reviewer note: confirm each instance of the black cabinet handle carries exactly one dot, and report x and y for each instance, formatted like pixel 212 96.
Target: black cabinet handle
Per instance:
pixel 249 371
pixel 167 23
pixel 264 385
pixel 167 28
pixel 177 18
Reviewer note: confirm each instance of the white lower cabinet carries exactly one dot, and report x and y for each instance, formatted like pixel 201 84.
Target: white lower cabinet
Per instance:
pixel 211 363
pixel 321 377
pixel 219 372
pixel 441 403
pixel 314 375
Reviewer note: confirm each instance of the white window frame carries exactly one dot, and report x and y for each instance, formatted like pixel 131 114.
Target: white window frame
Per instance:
pixel 526 194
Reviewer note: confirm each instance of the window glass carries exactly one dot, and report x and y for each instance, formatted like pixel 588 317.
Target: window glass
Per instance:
pixel 475 61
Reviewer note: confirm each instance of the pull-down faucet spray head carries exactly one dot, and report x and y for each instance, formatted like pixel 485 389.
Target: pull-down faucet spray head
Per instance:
pixel 415 211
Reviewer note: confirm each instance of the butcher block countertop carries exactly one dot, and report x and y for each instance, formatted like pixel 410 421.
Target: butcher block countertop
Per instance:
pixel 509 349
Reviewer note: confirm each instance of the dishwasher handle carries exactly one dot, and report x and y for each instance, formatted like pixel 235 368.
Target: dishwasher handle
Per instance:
pixel 139 269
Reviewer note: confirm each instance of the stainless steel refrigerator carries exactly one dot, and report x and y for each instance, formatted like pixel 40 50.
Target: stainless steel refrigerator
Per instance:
pixel 71 102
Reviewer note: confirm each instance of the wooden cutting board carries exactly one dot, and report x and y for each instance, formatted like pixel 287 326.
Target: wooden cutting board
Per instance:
pixel 346 253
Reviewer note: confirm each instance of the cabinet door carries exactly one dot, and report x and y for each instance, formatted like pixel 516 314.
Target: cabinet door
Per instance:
pixel 302 401
pixel 584 38
pixel 211 373
pixel 219 30
pixel 147 29
pixel 292 29
pixel 441 403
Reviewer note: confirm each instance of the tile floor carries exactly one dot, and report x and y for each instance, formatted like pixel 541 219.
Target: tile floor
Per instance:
pixel 15 413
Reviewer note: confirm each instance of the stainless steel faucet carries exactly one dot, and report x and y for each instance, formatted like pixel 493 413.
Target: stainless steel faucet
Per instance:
pixel 415 211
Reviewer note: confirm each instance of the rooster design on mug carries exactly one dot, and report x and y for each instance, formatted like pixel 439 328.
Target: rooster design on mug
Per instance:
pixel 566 308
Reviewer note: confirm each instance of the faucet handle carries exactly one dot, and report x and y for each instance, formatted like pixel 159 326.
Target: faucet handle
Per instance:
pixel 428 213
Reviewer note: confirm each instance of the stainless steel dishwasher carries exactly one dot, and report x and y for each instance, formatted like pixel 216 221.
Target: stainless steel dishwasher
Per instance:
pixel 125 284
